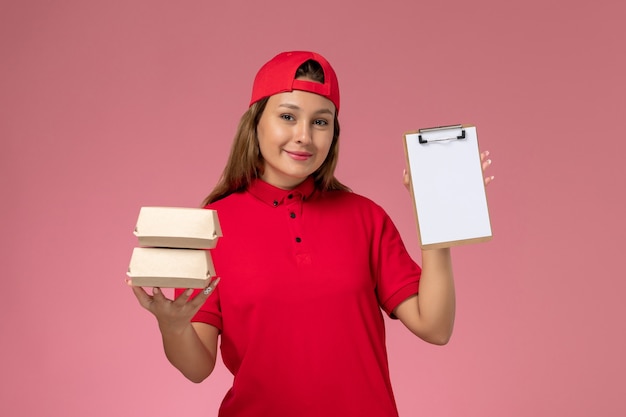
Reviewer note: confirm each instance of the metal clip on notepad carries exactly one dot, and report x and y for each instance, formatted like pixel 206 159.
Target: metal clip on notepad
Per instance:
pixel 439 129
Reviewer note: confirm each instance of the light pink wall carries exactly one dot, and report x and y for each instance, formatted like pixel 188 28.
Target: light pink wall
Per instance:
pixel 108 106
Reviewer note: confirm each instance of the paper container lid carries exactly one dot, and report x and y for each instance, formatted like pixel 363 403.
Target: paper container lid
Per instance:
pixel 178 227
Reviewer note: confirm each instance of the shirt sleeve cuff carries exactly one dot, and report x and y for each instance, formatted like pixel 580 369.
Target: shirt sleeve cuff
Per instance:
pixel 208 318
pixel 399 296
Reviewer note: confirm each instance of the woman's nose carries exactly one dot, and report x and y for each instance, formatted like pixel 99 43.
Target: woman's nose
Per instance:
pixel 303 133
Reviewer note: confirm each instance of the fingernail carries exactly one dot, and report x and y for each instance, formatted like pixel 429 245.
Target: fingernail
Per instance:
pixel 486 153
pixel 188 292
pixel 489 161
pixel 155 290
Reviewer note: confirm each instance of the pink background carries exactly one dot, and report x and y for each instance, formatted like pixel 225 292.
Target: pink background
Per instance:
pixel 109 106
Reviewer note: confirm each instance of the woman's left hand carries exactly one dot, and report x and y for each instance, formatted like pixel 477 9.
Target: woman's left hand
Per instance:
pixel 486 163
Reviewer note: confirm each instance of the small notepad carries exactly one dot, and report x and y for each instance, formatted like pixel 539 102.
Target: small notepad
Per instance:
pixel 447 186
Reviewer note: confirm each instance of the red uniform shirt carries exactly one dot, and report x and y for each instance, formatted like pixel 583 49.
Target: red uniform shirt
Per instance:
pixel 304 275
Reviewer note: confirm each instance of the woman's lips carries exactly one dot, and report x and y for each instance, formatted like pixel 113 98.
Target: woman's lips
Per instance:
pixel 299 156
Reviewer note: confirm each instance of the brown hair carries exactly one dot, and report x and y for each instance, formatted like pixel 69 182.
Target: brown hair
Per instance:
pixel 245 162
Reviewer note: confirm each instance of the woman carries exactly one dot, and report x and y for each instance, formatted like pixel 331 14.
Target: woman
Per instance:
pixel 306 266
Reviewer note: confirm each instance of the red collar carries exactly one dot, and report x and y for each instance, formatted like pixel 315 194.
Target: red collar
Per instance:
pixel 275 196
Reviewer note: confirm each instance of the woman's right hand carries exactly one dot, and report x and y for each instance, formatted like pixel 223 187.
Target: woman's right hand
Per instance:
pixel 190 347
pixel 173 315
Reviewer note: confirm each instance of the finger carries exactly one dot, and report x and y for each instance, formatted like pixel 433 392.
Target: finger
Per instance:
pixel 143 297
pixel 158 296
pixel 405 178
pixel 208 290
pixel 484 155
pixel 183 297
pixel 486 164
pixel 488 180
pixel 202 296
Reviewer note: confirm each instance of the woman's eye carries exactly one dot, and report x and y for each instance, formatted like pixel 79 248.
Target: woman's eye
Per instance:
pixel 287 117
pixel 321 122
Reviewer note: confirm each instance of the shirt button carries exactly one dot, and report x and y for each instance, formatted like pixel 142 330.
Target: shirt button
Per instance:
pixel 290 196
pixel 275 203
pixel 292 215
pixel 298 240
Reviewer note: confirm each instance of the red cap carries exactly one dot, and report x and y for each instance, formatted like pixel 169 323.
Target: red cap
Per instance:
pixel 278 76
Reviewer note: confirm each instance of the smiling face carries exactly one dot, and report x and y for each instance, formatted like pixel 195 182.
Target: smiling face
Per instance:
pixel 295 133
